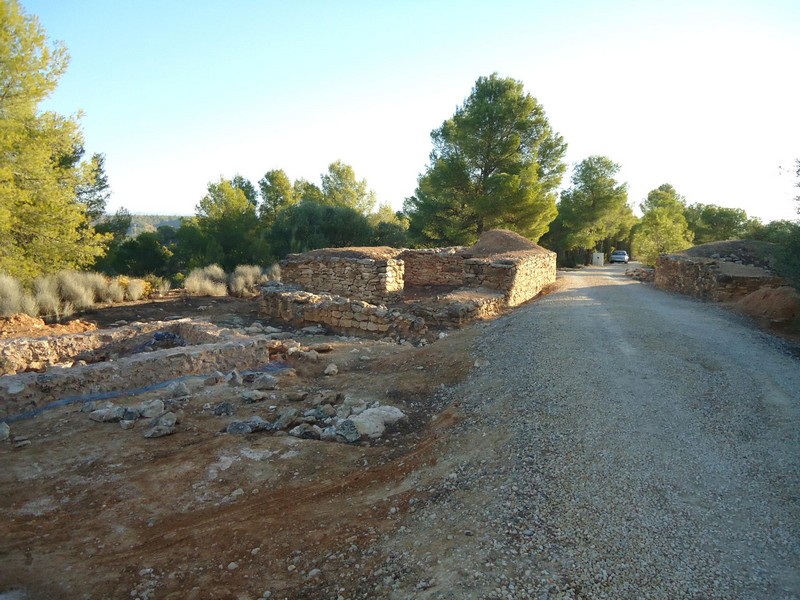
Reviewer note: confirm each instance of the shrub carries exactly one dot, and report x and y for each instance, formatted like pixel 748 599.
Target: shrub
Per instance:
pixel 159 286
pixel 29 305
pixel 116 291
pixel 206 282
pixel 45 290
pixel 135 289
pixel 75 289
pixel 11 294
pixel 98 284
pixel 273 272
pixel 245 280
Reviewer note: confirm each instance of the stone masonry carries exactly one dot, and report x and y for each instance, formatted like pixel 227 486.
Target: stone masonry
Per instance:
pixel 350 272
pixel 708 279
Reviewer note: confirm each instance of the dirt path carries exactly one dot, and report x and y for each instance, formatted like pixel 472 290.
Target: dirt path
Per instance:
pixel 621 443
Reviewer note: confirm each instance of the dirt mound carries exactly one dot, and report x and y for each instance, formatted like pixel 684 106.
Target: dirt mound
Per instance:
pixel 745 252
pixel 781 306
pixel 373 252
pixel 22 325
pixel 503 241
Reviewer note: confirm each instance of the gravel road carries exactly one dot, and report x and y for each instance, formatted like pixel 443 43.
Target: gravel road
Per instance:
pixel 621 442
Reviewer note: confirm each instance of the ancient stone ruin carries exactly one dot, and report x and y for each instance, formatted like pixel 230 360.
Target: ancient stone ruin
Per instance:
pixel 406 294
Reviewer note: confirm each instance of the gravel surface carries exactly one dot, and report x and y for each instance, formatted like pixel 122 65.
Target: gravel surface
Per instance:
pixel 617 442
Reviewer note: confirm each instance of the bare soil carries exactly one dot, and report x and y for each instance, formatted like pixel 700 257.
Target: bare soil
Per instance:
pixel 117 515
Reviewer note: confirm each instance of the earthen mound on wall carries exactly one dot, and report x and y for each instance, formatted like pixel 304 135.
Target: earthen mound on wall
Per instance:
pixel 779 305
pixel 354 252
pixel 756 253
pixel 503 241
pixel 22 325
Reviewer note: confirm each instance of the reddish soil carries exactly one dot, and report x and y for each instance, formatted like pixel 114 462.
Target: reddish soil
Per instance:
pixel 94 511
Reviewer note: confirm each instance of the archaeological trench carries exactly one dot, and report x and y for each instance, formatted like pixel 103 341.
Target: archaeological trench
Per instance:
pixel 399 296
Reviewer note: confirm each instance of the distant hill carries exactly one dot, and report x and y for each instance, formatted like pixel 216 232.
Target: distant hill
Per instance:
pixel 142 223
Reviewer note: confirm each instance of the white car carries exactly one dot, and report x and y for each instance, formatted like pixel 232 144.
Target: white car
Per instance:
pixel 619 256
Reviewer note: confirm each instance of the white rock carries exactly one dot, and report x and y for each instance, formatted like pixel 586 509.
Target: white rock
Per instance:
pixel 331 369
pixel 5 431
pixel 151 408
pixel 369 423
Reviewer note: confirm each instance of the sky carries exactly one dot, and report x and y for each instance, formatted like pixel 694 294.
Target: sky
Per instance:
pixel 700 94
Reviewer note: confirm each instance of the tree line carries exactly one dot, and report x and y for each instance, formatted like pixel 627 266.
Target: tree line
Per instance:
pixel 497 162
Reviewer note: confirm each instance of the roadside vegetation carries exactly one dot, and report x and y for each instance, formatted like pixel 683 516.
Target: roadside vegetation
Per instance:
pixel 496 162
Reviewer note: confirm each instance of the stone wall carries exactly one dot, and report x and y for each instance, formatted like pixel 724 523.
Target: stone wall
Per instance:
pixel 339 314
pixel 352 275
pixel 33 354
pixel 440 266
pixel 29 391
pixel 707 279
pixel 520 276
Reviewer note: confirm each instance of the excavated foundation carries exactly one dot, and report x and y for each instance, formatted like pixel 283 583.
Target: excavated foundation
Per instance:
pixel 44 370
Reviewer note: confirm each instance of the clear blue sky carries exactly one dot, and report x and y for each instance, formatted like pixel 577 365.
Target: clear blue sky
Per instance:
pixel 176 93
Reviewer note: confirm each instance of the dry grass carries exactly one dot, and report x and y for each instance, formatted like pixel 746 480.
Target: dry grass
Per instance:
pixel 207 281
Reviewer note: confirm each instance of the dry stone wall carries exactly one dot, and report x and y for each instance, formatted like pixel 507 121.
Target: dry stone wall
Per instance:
pixel 30 391
pixel 705 279
pixel 371 279
pixel 440 266
pixel 337 313
pixel 33 354
pixel 520 277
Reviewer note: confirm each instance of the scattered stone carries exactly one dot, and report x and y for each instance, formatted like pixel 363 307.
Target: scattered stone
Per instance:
pixel 328 434
pixel 297 396
pixel 312 355
pixel 111 414
pixel 131 414
pixel 127 424
pixel 232 566
pixel 239 428
pixel 252 396
pixel 215 378
pixel 15 387
pixel 348 432
pixel 179 390
pixel 326 397
pixel 224 409
pixel 234 378
pixel 158 431
pixel 168 419
pixel 331 369
pixel 324 411
pixel 151 408
pixel 5 431
pixel 369 424
pixel 21 443
pixel 270 329
pixel 481 362
pixel 286 417
pixel 313 573
pixel 322 348
pixel 265 382
pixel 258 424
pixel 88 407
pixel 306 432
pixel 390 414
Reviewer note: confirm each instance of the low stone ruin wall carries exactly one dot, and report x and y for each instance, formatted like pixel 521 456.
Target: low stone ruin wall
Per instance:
pixel 703 278
pixel 371 279
pixel 520 277
pixel 440 266
pixel 35 354
pixel 29 391
pixel 339 314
